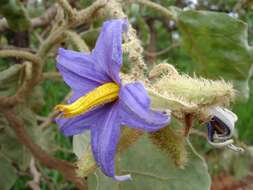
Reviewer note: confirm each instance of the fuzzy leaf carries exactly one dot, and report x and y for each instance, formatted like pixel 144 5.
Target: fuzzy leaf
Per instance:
pixel 151 169
pixel 7 174
pixel 218 43
pixel 11 148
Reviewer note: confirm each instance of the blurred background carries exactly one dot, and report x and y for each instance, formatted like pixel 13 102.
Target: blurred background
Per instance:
pixel 162 42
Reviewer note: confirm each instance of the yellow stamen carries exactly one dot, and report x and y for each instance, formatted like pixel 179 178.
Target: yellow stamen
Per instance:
pixel 105 93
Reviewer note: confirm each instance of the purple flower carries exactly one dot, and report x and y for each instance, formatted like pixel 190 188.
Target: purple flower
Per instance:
pixel 100 102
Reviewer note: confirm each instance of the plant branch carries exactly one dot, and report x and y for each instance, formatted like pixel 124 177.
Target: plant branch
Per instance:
pixel 20 54
pixel 159 8
pixel 86 15
pixel 40 21
pixel 77 41
pixel 53 39
pixel 58 35
pixel 67 8
pixel 32 77
pixel 65 168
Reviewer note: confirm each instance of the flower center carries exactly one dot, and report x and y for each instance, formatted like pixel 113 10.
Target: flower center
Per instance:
pixel 105 93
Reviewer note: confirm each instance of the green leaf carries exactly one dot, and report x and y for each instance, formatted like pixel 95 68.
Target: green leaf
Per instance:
pixel 12 149
pixel 15 13
pixel 244 111
pixel 151 169
pixel 218 44
pixel 7 174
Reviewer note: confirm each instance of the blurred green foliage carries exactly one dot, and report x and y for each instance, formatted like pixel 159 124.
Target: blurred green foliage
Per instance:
pixel 16 15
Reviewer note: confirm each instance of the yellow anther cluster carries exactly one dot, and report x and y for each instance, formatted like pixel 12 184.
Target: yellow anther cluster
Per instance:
pixel 105 93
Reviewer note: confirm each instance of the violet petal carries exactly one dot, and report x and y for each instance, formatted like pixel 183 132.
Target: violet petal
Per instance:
pixel 135 111
pixel 104 139
pixel 76 82
pixel 77 94
pixel 79 70
pixel 108 50
pixel 76 125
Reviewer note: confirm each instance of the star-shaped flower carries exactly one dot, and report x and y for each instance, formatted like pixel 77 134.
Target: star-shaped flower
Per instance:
pixel 100 102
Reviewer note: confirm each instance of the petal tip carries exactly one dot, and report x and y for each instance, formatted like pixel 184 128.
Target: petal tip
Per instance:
pixel 123 177
pixel 60 50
